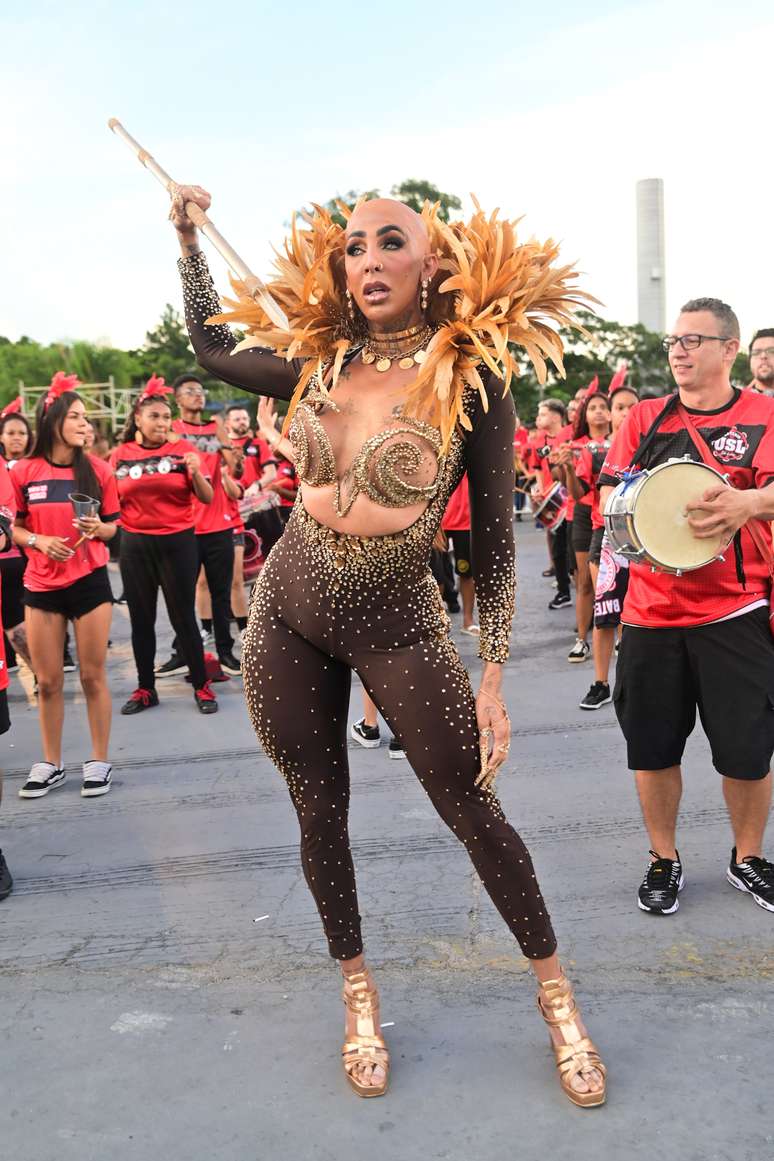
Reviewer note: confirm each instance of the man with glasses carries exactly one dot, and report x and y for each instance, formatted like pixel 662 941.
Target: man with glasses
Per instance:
pixel 762 361
pixel 702 640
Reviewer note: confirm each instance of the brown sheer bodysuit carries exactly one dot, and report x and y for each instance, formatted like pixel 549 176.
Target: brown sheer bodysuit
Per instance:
pixel 348 587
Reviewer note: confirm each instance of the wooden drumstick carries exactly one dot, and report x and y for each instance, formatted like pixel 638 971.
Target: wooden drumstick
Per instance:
pixel 255 287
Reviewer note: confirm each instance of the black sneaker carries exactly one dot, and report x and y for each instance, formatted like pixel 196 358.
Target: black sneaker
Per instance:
pixel 366 736
pixel 598 695
pixel 658 891
pixel 547 572
pixel 172 667
pixel 559 601
pixel 43 776
pixel 229 664
pixel 140 700
pixel 96 779
pixel 6 882
pixel 579 651
pixel 754 875
pixel 68 665
pixel 395 750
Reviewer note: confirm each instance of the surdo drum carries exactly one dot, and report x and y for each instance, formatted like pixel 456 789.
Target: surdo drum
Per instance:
pixel 646 519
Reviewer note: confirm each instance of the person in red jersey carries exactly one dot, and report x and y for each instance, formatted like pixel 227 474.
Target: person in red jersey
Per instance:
pixel 66 579
pixel 7 513
pixel 609 570
pixel 455 522
pixel 583 457
pixel 702 639
pixel 16 439
pixel 214 522
pixel 237 428
pixel 762 361
pixel 551 434
pixel 158 479
pixel 520 441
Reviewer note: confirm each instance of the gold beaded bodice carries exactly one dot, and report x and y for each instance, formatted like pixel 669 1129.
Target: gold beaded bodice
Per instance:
pixel 397 467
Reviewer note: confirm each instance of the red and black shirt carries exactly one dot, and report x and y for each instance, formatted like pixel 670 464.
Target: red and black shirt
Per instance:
pixel 740 435
pixel 222 513
pixel 42 492
pixel 154 487
pixel 587 468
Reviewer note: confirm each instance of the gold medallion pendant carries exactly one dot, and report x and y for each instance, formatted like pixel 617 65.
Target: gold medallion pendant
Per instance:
pixel 407 347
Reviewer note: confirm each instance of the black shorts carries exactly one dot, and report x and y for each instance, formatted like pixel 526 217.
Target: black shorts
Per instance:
pixel 595 548
pixel 581 528
pixel 239 539
pixel 75 600
pixel 5 717
pixel 572 564
pixel 459 538
pixel 12 576
pixel 725 669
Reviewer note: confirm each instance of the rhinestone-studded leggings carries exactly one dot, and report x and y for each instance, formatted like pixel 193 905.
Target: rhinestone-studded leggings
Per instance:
pixel 323 606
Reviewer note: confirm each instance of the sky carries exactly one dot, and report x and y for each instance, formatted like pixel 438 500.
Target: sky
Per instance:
pixel 552 112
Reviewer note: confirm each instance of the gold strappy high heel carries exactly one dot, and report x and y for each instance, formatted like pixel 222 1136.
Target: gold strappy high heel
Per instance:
pixel 578 1054
pixel 366 1046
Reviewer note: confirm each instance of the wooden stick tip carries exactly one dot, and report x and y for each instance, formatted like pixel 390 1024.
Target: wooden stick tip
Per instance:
pixel 113 122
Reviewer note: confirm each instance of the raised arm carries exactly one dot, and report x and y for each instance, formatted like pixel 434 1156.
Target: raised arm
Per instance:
pixel 258 371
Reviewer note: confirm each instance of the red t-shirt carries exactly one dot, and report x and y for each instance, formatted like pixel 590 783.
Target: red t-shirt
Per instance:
pixel 222 512
pixel 7 489
pixel 587 469
pixel 154 487
pixel 42 493
pixel 456 518
pixel 741 437
pixel 8 512
pixel 288 478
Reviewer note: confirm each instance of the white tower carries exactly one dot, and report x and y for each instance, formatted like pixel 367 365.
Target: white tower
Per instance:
pixel 651 282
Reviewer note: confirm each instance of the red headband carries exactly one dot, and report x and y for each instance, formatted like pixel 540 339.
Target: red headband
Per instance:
pixel 12 408
pixel 59 384
pixel 154 387
pixel 619 378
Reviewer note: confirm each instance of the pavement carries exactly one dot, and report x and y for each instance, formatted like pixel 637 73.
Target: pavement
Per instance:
pixel 167 992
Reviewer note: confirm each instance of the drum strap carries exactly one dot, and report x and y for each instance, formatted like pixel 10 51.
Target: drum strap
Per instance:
pixel 650 434
pixel 761 539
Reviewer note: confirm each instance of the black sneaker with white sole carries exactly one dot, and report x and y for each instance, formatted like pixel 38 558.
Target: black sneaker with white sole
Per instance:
pixel 6 881
pixel 68 665
pixel 229 664
pixel 366 736
pixel 754 875
pixel 560 600
pixel 659 889
pixel 598 695
pixel 395 750
pixel 96 779
pixel 43 776
pixel 172 667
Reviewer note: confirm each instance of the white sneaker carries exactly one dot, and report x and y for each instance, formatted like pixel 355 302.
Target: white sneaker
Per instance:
pixel 96 778
pixel 579 651
pixel 43 776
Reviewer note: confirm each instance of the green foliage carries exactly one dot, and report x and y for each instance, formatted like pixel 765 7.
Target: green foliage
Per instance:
pixel 415 192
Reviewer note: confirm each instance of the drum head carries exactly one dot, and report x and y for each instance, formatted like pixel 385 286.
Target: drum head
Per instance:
pixel 660 518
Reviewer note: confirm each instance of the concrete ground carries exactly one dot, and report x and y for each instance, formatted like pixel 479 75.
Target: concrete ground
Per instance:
pixel 167 993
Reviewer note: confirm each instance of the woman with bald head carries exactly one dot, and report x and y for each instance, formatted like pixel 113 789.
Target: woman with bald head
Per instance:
pixel 398 329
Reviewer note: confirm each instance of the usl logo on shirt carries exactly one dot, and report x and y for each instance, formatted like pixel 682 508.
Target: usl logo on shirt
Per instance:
pixel 731 446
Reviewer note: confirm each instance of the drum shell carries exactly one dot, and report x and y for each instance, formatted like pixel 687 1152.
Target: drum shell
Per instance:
pixel 553 509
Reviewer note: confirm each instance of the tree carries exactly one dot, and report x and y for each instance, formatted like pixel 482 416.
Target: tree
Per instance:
pixel 415 192
pixel 166 350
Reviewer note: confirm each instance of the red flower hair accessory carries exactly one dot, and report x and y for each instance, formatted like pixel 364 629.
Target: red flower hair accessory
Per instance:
pixel 155 386
pixel 12 408
pixel 59 384
pixel 619 378
pixel 592 389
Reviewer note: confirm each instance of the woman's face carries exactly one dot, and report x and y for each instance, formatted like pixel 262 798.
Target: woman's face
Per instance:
pixel 387 255
pixel 14 439
pixel 598 412
pixel 153 423
pixel 623 402
pixel 90 434
pixel 75 426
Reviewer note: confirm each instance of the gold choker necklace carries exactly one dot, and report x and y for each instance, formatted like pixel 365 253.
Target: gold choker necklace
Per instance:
pixel 405 346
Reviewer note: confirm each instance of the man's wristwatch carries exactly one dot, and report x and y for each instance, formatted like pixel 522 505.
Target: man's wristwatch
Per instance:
pixel 32 540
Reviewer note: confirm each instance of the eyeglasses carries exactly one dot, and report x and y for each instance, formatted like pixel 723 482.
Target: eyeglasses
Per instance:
pixel 690 342
pixel 761 351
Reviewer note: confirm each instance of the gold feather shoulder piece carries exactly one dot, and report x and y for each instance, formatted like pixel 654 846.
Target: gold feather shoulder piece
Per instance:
pixel 492 293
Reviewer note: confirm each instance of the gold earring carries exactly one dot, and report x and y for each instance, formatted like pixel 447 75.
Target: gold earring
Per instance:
pixel 423 296
pixel 350 306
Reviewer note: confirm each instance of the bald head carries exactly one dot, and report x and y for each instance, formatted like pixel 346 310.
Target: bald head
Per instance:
pixel 380 215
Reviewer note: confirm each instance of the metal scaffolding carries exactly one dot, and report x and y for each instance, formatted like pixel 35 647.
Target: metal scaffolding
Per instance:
pixel 104 402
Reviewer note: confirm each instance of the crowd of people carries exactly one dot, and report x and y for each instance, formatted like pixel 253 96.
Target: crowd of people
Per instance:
pixel 359 563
